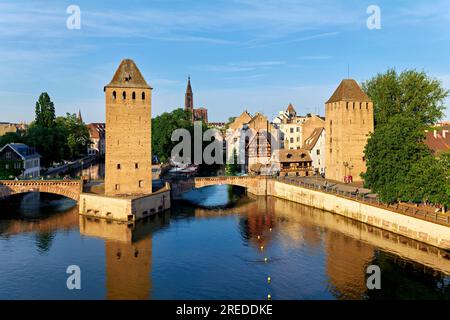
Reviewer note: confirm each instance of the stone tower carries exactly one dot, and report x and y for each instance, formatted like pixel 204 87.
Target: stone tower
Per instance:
pixel 348 122
pixel 189 98
pixel 128 158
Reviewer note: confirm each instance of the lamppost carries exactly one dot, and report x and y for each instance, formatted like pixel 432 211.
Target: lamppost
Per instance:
pixel 345 163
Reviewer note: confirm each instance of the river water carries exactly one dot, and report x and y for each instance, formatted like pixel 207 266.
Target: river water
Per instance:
pixel 218 244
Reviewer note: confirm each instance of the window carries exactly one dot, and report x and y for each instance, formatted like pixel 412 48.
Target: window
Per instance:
pixel 133 95
pixel 141 183
pixel 292 130
pixel 318 152
pixel 136 165
pixel 117 187
pixel 8 155
pixel 143 95
pixel 298 129
pixel 124 95
pixel 118 166
pixel 114 95
pixel 298 139
pixel 292 140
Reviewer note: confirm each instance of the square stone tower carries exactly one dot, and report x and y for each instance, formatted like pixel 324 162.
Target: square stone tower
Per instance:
pixel 348 122
pixel 128 158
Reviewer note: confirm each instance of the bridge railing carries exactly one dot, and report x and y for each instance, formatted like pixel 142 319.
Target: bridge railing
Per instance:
pixel 417 212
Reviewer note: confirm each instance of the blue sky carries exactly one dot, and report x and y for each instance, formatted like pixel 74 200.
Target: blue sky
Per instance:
pixel 241 54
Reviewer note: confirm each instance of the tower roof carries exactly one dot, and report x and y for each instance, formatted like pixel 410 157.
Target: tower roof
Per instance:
pixel 290 109
pixel 349 90
pixel 128 76
pixel 189 88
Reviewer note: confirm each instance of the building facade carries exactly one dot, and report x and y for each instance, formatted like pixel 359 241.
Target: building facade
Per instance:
pixel 6 127
pixel 97 135
pixel 128 157
pixel 18 157
pixel 295 162
pixel 315 145
pixel 349 121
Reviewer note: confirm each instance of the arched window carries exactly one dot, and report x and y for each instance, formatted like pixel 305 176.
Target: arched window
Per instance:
pixel 114 95
pixel 133 96
pixel 143 95
pixel 124 95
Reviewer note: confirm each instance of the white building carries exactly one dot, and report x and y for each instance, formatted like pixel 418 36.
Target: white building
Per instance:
pixel 315 145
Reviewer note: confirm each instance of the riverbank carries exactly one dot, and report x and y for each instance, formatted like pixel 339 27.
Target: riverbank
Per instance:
pixel 434 233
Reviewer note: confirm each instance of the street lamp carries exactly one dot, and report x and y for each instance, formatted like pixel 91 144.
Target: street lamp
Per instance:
pixel 345 163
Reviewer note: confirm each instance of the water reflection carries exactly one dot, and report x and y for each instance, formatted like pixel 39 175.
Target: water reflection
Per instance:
pixel 128 253
pixel 197 252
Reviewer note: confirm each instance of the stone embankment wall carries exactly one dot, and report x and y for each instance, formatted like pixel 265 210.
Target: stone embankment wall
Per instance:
pixel 418 229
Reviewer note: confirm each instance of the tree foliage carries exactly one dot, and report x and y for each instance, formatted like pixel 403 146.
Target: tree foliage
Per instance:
pixel 399 164
pixel 55 138
pixel 410 93
pixel 162 128
pixel 390 153
pixel 45 111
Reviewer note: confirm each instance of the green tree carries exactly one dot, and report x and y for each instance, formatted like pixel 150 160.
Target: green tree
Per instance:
pixel 426 182
pixel 391 152
pixel 11 137
pixel 231 169
pixel 49 142
pixel 410 93
pixel 162 128
pixel 76 134
pixel 45 111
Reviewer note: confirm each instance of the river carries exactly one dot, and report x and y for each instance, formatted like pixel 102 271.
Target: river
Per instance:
pixel 217 244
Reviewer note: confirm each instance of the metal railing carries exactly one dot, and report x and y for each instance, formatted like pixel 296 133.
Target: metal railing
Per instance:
pixel 416 212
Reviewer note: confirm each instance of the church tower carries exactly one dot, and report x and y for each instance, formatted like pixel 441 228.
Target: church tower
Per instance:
pixel 189 98
pixel 128 158
pixel 348 122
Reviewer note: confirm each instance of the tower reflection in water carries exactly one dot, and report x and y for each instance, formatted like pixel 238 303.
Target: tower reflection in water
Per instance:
pixel 128 254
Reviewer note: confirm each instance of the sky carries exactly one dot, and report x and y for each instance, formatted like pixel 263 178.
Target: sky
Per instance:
pixel 255 55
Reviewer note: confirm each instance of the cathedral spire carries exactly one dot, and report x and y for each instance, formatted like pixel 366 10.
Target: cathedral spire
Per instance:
pixel 79 117
pixel 189 97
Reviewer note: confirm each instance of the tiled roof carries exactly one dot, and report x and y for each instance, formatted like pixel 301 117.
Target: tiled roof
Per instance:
pixel 96 130
pixel 296 155
pixel 24 151
pixel 128 76
pixel 311 141
pixel 290 108
pixel 349 90
pixel 439 140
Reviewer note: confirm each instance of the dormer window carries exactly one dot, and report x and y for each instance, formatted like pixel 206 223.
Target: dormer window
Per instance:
pixel 114 95
pixel 124 95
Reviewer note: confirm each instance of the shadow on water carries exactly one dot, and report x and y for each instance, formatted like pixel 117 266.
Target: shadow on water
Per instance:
pixel 41 213
pixel 215 197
